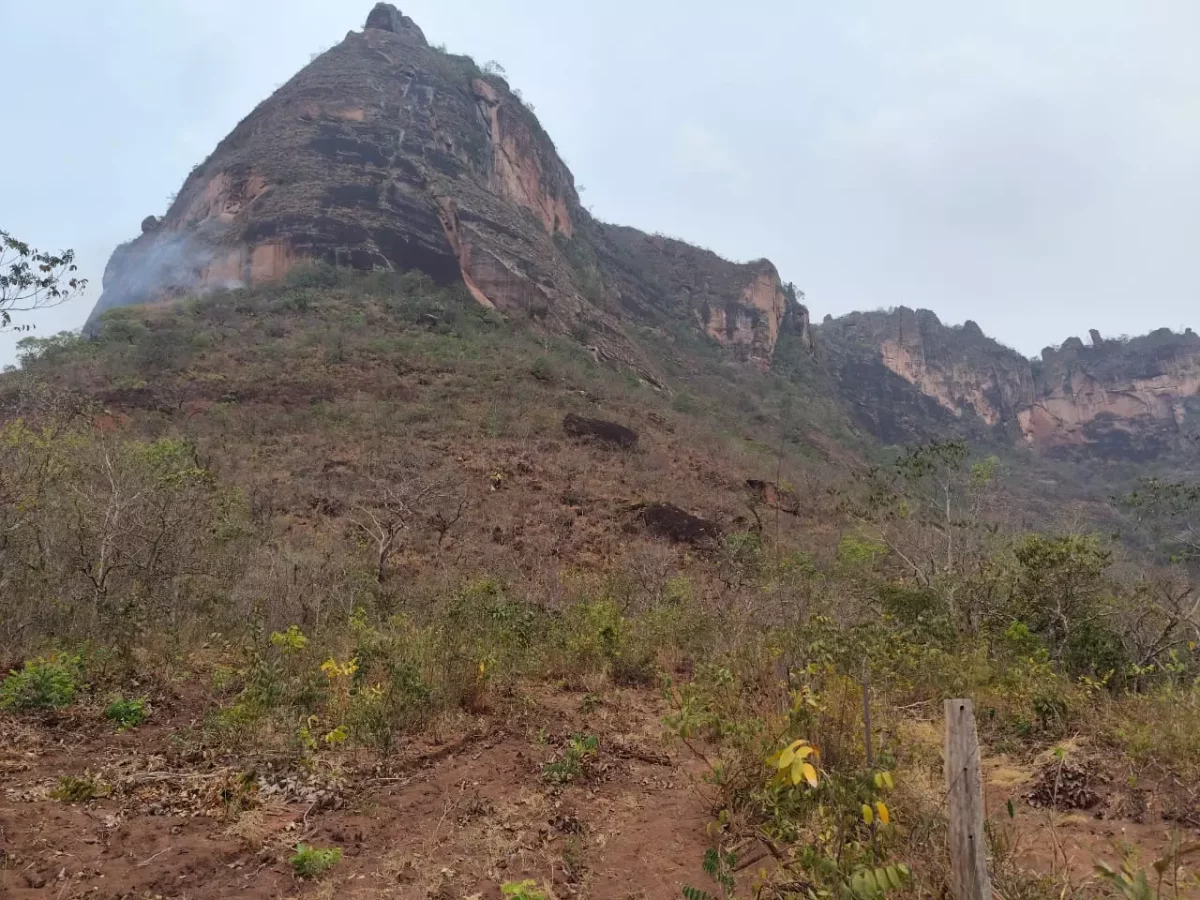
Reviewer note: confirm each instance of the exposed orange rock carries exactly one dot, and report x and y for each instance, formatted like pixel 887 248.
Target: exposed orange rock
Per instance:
pixel 518 172
pixel 385 153
pixel 1128 399
pixel 1065 408
pixel 753 323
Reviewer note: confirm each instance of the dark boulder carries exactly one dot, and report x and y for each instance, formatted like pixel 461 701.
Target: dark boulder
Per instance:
pixel 666 520
pixel 599 430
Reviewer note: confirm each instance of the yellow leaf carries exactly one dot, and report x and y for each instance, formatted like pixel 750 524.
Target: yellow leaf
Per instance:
pixel 805 751
pixel 868 816
pixel 786 757
pixel 810 774
pixel 882 810
pixel 878 780
pixel 887 780
pixel 797 770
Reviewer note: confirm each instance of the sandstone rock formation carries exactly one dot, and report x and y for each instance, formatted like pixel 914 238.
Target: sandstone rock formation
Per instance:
pixel 1133 399
pixel 1130 399
pixel 387 153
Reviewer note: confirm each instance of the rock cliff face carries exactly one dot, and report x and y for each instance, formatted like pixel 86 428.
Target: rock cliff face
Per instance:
pixel 387 153
pixel 1131 399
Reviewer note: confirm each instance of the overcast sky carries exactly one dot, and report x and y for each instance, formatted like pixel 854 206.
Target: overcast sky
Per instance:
pixel 1034 166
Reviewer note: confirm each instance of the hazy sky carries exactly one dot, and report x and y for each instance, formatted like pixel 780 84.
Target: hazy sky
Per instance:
pixel 1034 166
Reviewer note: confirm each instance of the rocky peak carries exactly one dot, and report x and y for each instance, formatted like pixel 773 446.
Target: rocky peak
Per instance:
pixel 385 17
pixel 385 153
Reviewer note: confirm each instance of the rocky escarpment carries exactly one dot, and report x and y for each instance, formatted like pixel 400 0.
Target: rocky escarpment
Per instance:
pixel 387 153
pixel 908 376
pixel 1134 399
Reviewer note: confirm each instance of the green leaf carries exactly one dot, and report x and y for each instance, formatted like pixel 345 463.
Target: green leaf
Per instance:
pixel 895 877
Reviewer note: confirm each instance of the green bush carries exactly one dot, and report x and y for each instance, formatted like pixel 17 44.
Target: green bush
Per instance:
pixel 79 789
pixel 570 764
pixel 312 862
pixel 127 714
pixel 47 682
pixel 522 890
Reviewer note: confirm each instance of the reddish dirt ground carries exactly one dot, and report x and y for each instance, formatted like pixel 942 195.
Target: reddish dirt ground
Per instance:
pixel 455 814
pixel 449 818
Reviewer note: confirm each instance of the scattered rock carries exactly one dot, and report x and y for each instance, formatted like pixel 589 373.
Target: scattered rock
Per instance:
pixel 599 430
pixel 149 224
pixel 667 520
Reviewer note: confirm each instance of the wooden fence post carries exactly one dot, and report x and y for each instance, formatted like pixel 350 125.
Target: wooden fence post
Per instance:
pixel 964 798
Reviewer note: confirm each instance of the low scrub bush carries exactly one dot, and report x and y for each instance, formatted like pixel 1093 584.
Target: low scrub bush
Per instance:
pixel 313 862
pixel 48 682
pixel 127 714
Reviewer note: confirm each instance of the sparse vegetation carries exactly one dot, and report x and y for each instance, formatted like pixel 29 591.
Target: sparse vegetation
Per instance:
pixel 33 279
pixel 79 789
pixel 331 579
pixel 522 890
pixel 579 750
pixel 313 862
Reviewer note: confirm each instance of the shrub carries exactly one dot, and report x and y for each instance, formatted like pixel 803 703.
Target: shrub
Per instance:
pixel 79 789
pixel 312 862
pixel 127 714
pixel 44 683
pixel 522 890
pixel 569 766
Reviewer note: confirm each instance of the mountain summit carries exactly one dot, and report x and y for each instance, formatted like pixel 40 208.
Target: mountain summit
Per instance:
pixel 385 153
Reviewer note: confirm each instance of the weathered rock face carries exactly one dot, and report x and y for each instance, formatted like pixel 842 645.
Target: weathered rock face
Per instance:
pixel 966 373
pixel 652 277
pixel 387 153
pixel 1131 399
pixel 1127 399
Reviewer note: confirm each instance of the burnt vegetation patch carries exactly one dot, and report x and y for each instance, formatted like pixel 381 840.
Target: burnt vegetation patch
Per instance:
pixel 600 431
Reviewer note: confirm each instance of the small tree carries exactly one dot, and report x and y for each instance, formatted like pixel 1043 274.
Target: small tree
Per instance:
pixel 1171 511
pixel 397 505
pixel 31 279
pixel 929 509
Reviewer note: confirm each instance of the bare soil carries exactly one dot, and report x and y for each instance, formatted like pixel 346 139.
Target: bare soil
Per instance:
pixel 453 815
